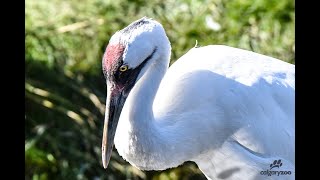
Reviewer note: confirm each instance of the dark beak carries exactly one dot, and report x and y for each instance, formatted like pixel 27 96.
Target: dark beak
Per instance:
pixel 114 105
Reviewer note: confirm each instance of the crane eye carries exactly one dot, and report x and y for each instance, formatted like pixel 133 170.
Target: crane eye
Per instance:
pixel 123 68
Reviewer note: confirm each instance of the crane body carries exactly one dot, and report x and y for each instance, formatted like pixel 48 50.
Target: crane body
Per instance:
pixel 229 110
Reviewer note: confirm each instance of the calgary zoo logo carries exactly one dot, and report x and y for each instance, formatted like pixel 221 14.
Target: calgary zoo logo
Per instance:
pixel 275 164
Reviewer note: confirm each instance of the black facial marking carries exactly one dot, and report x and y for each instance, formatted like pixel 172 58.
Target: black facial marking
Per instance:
pixel 127 78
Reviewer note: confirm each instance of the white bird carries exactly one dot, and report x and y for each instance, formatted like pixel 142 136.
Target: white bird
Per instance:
pixel 229 110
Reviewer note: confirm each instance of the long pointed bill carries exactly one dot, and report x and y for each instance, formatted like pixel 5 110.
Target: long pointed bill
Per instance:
pixel 114 105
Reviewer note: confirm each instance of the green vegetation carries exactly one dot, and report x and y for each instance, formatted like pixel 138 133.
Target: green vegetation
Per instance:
pixel 65 88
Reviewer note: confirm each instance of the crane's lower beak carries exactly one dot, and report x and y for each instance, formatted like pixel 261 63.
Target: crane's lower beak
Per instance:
pixel 114 106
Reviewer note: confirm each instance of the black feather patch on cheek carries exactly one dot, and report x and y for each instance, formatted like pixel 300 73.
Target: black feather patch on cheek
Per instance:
pixel 125 80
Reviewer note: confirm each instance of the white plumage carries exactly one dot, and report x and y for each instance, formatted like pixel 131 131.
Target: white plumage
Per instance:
pixel 229 110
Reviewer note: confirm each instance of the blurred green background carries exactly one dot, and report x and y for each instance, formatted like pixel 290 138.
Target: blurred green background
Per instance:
pixel 65 88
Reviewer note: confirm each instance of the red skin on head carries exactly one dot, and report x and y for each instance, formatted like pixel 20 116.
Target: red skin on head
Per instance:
pixel 112 55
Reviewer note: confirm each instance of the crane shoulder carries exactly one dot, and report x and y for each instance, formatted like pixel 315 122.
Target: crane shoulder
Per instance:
pixel 215 73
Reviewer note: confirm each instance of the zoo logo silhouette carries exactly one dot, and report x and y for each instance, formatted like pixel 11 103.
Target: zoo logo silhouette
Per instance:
pixel 275 164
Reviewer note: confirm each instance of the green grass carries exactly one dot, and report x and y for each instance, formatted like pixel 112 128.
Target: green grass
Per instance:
pixel 65 88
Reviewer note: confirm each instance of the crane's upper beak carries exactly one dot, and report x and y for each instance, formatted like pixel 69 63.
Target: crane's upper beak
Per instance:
pixel 114 105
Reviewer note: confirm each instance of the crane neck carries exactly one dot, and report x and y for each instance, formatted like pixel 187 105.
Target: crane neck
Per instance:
pixel 138 106
pixel 137 134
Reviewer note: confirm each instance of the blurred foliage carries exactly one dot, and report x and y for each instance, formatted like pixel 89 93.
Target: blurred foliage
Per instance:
pixel 65 88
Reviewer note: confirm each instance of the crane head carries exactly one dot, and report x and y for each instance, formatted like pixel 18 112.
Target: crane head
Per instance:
pixel 129 52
